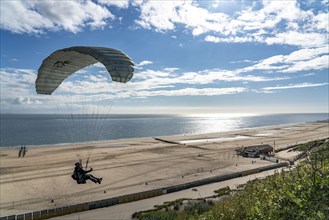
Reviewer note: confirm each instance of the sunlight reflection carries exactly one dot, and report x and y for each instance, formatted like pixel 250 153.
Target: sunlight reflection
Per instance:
pixel 215 123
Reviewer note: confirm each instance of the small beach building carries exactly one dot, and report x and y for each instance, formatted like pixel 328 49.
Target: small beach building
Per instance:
pixel 255 150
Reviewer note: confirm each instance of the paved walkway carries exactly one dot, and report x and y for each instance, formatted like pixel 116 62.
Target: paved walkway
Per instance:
pixel 125 211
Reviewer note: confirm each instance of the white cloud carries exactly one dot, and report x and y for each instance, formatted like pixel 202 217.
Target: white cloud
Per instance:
pixel 37 16
pixel 116 3
pixel 158 15
pixel 26 100
pixel 163 16
pixel 17 88
pixel 243 61
pixel 17 82
pixel 312 64
pixel 211 76
pixel 295 86
pixel 270 22
pixel 169 77
pixel 14 12
pixel 307 54
pixel 300 60
pixel 143 63
pixel 88 85
pixel 98 64
pixel 309 74
pixel 211 38
pixel 298 39
pixel 214 39
pixel 321 22
pixel 17 85
pixel 193 92
pixel 170 69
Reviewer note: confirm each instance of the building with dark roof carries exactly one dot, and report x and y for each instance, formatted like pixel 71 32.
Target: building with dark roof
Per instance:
pixel 255 150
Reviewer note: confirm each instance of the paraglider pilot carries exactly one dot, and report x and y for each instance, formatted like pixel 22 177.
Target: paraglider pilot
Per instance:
pixel 81 175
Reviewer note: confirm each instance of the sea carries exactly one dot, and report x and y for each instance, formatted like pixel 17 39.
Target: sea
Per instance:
pixel 34 130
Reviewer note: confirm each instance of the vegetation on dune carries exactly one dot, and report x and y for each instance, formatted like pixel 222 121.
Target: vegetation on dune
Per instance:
pixel 299 193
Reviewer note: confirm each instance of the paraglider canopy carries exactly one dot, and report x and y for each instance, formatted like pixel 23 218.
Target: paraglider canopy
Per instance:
pixel 62 63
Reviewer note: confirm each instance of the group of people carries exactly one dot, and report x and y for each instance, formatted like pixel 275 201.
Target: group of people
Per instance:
pixel 80 175
pixel 22 151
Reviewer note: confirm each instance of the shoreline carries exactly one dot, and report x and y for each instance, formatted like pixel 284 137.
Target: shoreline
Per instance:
pixel 43 175
pixel 159 136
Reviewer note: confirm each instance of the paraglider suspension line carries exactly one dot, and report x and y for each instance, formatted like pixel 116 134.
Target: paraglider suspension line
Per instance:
pixel 87 162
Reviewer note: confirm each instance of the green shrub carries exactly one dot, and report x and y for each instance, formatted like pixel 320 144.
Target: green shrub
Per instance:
pixel 158 215
pixel 196 208
pixel 222 191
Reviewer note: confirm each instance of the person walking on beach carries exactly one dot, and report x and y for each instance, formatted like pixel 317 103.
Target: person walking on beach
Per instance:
pixel 80 175
pixel 20 151
pixel 24 151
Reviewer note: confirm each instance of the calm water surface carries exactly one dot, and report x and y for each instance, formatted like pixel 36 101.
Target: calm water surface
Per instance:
pixel 56 129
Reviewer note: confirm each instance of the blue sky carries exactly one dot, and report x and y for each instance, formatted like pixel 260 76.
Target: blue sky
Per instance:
pixel 192 57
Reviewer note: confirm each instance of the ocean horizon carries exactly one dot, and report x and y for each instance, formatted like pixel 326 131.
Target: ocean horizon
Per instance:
pixel 55 129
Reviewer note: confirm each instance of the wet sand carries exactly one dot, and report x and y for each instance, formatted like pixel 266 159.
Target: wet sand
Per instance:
pixel 42 179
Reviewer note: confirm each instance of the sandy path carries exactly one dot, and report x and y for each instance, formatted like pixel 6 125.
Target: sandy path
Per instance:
pixel 31 183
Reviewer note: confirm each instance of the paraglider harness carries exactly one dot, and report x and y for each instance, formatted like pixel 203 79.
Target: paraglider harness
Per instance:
pixel 79 174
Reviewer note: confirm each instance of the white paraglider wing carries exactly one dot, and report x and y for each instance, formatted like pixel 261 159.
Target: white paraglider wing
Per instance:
pixel 62 63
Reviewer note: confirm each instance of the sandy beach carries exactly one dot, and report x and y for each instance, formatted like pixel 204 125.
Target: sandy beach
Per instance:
pixel 42 179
